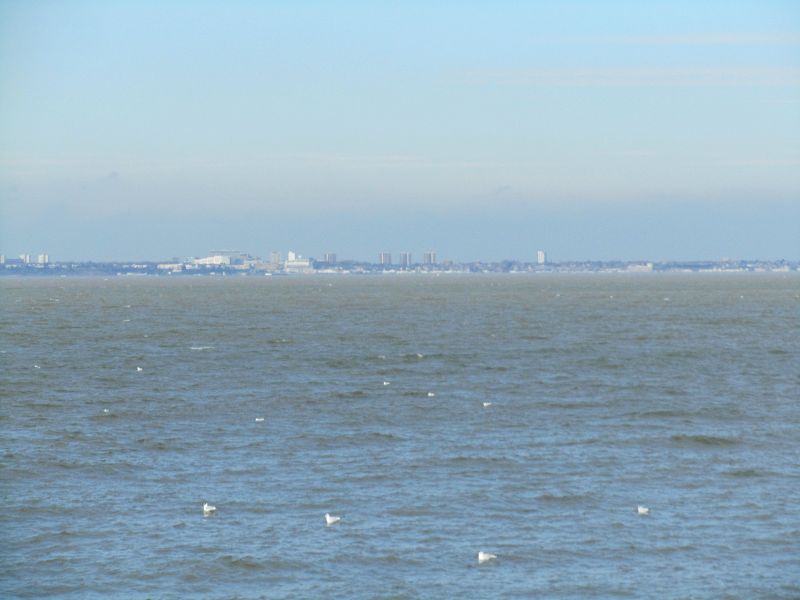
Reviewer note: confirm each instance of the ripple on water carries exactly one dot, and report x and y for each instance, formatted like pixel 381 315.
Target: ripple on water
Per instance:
pixel 703 440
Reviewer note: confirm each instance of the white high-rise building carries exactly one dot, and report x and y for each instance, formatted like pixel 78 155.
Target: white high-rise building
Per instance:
pixel 405 259
pixel 43 259
pixel 297 264
pixel 385 258
pixel 429 258
pixel 541 257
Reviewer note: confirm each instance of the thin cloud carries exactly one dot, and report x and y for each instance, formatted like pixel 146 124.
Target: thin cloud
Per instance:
pixel 761 162
pixel 697 39
pixel 641 76
pixel 707 38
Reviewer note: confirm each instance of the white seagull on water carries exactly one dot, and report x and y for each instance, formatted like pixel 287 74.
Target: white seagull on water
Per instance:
pixel 642 510
pixel 485 556
pixel 330 519
pixel 208 509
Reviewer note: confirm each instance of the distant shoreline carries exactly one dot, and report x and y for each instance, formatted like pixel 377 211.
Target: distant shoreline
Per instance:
pixel 152 270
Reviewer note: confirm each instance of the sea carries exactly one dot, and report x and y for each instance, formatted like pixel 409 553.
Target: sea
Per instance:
pixel 526 416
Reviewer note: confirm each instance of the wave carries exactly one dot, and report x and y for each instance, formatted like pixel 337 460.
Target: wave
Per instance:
pixel 663 413
pixel 703 440
pixel 246 563
pixel 201 347
pixel 355 394
pixel 563 498
pixel 745 473
pixel 344 363
pixel 414 512
pixel 674 549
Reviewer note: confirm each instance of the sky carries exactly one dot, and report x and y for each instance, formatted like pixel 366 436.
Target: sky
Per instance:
pixel 482 130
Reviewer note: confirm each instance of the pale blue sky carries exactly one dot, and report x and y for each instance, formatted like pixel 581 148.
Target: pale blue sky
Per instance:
pixel 660 130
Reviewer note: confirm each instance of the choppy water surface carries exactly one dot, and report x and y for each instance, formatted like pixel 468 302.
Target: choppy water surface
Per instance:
pixel 680 393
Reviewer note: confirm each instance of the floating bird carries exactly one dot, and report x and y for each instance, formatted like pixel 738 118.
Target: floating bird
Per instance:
pixel 642 510
pixel 431 394
pixel 485 404
pixel 259 419
pixel 330 519
pixel 105 410
pixel 485 556
pixel 208 509
pixel 386 383
pixel 36 367
pixel 139 369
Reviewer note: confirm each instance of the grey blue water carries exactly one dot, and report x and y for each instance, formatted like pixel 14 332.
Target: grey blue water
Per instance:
pixel 127 403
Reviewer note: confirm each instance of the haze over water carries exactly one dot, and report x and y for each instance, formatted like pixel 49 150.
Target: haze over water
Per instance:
pixel 674 392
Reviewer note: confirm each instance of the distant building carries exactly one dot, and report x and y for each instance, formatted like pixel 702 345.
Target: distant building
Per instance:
pixel 330 258
pixel 43 259
pixel 429 258
pixel 541 257
pixel 385 258
pixel 235 257
pixel 297 264
pixel 215 260
pixel 275 258
pixel 405 259
pixel 25 258
pixel 170 267
pixel 2 259
pixel 640 267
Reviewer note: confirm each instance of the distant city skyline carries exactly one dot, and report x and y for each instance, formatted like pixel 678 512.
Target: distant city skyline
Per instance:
pixel 605 130
pixel 239 263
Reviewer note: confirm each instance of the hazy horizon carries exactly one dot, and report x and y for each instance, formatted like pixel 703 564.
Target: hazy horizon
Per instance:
pixel 610 130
